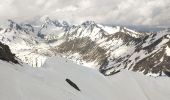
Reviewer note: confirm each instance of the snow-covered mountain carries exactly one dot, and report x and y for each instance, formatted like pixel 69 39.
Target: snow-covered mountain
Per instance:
pixel 108 49
pixel 105 48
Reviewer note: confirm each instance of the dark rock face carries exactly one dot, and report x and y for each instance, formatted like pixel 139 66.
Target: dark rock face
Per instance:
pixel 151 64
pixel 88 49
pixel 27 28
pixel 167 73
pixel 6 55
pixel 72 84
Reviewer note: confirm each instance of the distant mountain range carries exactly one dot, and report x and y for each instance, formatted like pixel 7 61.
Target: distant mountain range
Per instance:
pixel 105 48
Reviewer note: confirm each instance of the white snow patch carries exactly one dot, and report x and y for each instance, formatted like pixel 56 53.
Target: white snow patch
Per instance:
pixel 168 51
pixel 122 51
pixel 110 30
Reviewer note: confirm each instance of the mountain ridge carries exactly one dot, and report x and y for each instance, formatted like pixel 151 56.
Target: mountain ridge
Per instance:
pixel 108 48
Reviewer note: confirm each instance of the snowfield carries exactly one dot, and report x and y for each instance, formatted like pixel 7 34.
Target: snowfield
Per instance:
pixel 48 83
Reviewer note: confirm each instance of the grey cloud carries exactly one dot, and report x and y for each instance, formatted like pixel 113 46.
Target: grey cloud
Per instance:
pixel 128 12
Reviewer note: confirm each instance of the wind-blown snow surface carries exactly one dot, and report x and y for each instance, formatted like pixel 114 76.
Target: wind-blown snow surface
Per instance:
pixel 48 83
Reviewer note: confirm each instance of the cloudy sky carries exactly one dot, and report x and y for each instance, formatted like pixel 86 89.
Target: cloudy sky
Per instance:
pixel 125 12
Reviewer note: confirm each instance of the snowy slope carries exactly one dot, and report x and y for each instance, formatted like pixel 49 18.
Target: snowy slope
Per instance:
pixel 135 86
pixel 48 83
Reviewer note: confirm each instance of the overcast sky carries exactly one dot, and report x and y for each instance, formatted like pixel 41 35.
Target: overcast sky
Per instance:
pixel 125 12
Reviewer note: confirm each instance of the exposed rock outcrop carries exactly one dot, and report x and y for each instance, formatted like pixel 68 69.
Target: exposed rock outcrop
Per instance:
pixel 6 55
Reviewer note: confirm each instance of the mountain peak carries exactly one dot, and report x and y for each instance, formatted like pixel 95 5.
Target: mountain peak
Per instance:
pixel 45 19
pixel 13 25
pixel 87 23
pixel 64 23
pixel 48 21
